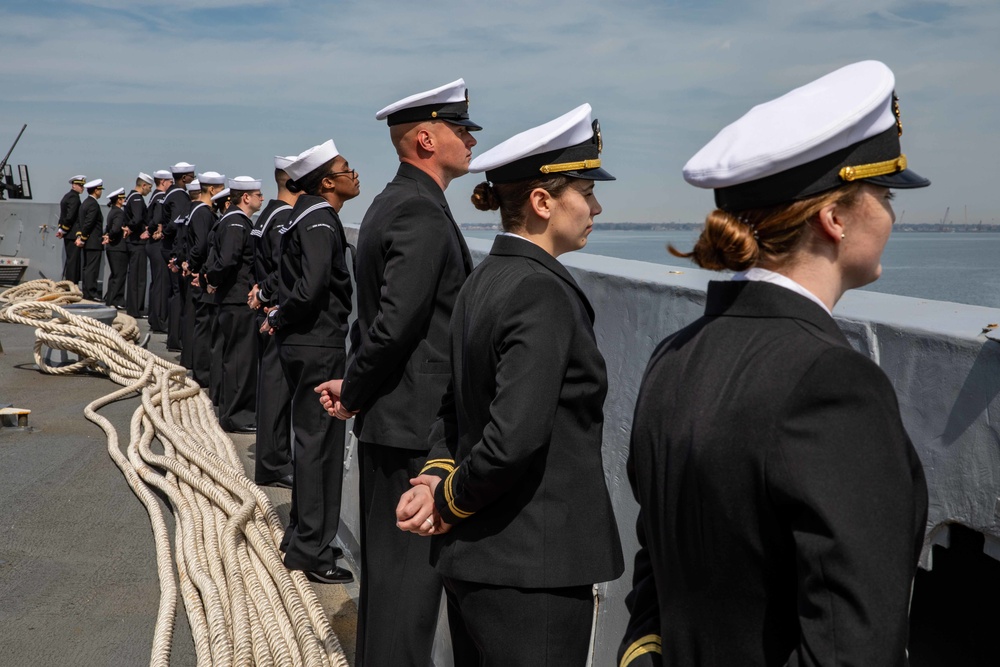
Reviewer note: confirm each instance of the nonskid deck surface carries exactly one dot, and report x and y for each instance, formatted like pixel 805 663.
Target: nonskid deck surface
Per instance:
pixel 78 580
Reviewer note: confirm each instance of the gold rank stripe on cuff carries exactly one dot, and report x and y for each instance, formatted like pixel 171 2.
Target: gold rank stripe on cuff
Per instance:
pixel 569 166
pixel 449 497
pixel 444 464
pixel 874 169
pixel 642 646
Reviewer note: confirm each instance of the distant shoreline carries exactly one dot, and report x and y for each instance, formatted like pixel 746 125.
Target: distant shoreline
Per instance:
pixel 977 228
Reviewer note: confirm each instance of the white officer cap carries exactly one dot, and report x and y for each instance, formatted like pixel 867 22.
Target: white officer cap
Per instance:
pixel 842 127
pixel 570 145
pixel 224 194
pixel 143 176
pixel 193 186
pixel 311 158
pixel 449 102
pixel 212 178
pixel 282 162
pixel 96 183
pixel 182 168
pixel 120 192
pixel 244 183
pixel 79 179
pixel 163 175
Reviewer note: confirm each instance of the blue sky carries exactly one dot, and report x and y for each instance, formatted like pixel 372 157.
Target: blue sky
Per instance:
pixel 111 87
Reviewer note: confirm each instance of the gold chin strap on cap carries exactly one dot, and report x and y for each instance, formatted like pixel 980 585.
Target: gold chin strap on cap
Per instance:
pixel 570 166
pixel 874 169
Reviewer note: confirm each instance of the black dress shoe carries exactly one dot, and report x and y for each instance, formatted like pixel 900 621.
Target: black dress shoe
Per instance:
pixel 338 575
pixel 280 483
pixel 249 428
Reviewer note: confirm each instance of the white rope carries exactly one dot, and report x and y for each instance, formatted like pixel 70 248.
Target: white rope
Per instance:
pixel 244 607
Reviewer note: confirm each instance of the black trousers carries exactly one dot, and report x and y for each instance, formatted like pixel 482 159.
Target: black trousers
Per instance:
pixel 189 294
pixel 318 459
pixel 92 273
pixel 118 266
pixel 202 344
pixel 135 283
pixel 71 267
pixel 175 304
pixel 400 591
pixel 274 408
pixel 238 390
pixel 499 626
pixel 159 287
pixel 215 371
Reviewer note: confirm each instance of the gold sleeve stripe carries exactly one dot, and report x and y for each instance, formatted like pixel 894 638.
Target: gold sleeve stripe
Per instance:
pixel 449 497
pixel 641 646
pixel 444 464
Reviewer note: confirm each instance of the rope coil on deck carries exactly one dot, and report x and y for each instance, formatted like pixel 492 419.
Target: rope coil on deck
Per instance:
pixel 244 607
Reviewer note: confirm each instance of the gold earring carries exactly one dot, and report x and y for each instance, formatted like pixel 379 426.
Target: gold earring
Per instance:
pixel 843 235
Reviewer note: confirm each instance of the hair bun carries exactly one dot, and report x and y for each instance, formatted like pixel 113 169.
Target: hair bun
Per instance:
pixel 484 197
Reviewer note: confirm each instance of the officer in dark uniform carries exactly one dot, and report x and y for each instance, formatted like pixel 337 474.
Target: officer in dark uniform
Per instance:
pixel 135 245
pixel 88 238
pixel 69 214
pixel 310 322
pixel 159 284
pixel 273 457
pixel 201 221
pixel 517 473
pixel 176 207
pixel 229 278
pixel 782 504
pixel 412 261
pixel 114 246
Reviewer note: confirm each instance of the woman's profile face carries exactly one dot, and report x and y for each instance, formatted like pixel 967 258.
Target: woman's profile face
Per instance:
pixel 867 225
pixel 346 178
pixel 573 216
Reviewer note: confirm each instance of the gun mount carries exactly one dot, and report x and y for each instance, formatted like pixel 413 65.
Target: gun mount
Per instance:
pixel 9 187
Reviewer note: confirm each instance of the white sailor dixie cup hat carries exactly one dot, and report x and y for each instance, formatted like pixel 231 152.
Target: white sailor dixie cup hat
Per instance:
pixel 223 194
pixel 143 176
pixel 182 168
pixel 311 159
pixel 244 183
pixel 163 175
pixel 569 146
pixel 840 128
pixel 449 102
pixel 193 186
pixel 212 178
pixel 280 162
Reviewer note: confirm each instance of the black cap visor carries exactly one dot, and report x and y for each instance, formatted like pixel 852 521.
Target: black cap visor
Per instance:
pixel 595 174
pixel 901 180
pixel 464 122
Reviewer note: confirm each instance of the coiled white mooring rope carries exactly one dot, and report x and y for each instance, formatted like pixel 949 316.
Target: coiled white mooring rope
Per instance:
pixel 244 607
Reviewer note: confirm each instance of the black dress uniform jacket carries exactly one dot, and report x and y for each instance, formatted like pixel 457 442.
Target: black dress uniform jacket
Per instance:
pixel 412 261
pixel 232 266
pixel 115 230
pixel 176 209
pixel 267 247
pixel 117 253
pixel 159 284
pixel 135 220
pixel 69 217
pixel 523 422
pixel 91 224
pixel 202 220
pixel 782 505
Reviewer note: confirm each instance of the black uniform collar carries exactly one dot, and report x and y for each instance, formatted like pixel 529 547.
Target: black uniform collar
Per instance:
pixel 424 179
pixel 508 246
pixel 753 298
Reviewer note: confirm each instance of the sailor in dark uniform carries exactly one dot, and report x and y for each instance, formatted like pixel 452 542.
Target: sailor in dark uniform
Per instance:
pixel 113 240
pixel 176 206
pixel 229 278
pixel 88 238
pixel 69 214
pixel 273 456
pixel 159 283
pixel 515 492
pixel 310 322
pixel 135 245
pixel 782 504
pixel 180 259
pixel 201 221
pixel 220 205
pixel 412 261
